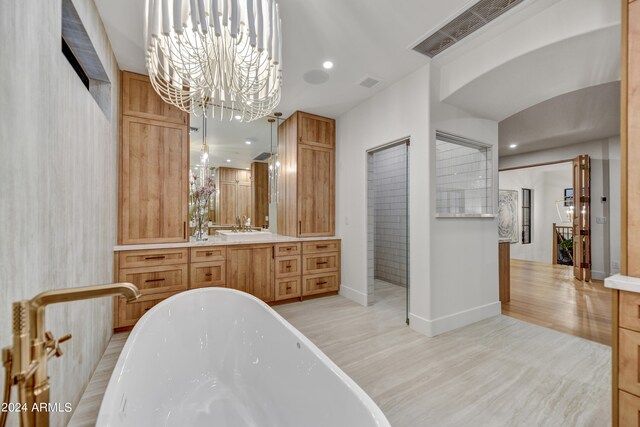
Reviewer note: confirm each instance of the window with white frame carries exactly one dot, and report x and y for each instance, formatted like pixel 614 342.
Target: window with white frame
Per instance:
pixel 464 177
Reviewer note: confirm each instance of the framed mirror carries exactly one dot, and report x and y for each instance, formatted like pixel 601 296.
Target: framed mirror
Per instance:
pixel 233 173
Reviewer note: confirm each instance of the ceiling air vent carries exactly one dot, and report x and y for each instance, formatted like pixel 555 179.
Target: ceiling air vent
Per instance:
pixel 477 16
pixel 368 82
pixel 262 157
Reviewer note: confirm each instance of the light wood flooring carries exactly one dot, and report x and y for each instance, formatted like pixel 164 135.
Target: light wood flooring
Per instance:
pixel 549 296
pixel 497 372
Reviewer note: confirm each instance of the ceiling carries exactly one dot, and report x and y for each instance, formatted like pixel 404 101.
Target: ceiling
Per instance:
pixel 583 115
pixel 374 38
pixel 570 64
pixel 361 37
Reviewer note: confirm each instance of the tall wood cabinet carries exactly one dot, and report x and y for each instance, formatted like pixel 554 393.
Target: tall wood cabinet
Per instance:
pixel 625 320
pixel 306 190
pixel 259 194
pixel 153 166
pixel 234 195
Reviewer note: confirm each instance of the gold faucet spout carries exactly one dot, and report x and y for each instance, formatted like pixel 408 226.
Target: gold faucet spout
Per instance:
pixel 127 290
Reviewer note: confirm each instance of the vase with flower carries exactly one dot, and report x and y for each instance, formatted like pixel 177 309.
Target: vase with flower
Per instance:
pixel 201 193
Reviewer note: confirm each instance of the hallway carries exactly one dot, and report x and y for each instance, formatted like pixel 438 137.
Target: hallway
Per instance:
pixel 549 296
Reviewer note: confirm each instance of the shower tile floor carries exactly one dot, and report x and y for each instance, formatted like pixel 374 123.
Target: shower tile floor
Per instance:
pixel 497 372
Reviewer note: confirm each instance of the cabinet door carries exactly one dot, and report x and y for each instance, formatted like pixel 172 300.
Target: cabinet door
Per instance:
pixel 316 130
pixel 243 192
pixel 227 208
pixel 316 203
pixel 250 269
pixel 140 99
pixel 154 172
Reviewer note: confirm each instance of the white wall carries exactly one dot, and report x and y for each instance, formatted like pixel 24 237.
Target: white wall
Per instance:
pixel 57 185
pixel 503 42
pixel 399 111
pixel 443 296
pixel 464 251
pixel 603 169
pixel 548 184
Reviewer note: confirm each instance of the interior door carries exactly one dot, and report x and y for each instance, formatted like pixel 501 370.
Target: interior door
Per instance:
pixel 582 218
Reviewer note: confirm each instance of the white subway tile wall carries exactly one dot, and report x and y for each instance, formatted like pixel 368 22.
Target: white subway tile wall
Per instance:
pixel 463 179
pixel 390 208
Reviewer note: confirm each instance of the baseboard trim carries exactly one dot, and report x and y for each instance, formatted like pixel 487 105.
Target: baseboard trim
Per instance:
pixel 353 295
pixel 598 275
pixel 438 326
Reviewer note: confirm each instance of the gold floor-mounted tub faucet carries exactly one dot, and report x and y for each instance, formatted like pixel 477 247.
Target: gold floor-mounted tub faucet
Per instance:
pixel 25 362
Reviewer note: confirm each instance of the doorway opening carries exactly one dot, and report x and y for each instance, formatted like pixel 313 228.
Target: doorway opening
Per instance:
pixel 388 226
pixel 558 252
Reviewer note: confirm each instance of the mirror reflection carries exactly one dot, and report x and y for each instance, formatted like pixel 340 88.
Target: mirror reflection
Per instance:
pixel 233 174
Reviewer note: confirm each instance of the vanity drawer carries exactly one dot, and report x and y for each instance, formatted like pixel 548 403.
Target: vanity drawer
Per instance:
pixel 630 310
pixel 321 263
pixel 288 287
pixel 320 246
pixel 320 283
pixel 629 409
pixel 207 274
pixel 151 257
pixel 213 253
pixel 128 313
pixel 284 249
pixel 151 280
pixel 629 361
pixel 287 266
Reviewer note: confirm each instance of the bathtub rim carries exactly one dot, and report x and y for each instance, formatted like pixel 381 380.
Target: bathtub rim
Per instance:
pixel 109 399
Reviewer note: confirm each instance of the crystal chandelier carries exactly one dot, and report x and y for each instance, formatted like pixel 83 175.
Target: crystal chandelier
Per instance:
pixel 216 58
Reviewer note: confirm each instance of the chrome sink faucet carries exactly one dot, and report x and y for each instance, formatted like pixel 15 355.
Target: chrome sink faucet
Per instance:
pixel 25 362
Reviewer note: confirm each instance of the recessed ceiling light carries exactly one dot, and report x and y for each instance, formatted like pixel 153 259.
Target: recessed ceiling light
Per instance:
pixel 238 117
pixel 248 168
pixel 327 65
pixel 513 145
pixel 248 142
pixel 228 160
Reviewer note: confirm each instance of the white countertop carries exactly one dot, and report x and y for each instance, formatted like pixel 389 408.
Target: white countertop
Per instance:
pixel 219 241
pixel 623 283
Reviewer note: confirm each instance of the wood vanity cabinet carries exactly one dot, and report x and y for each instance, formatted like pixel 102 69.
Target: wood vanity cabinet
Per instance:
pixel 288 271
pixel 306 198
pixel 250 269
pixel 208 267
pixel 234 195
pixel 320 267
pixel 158 274
pixel 153 166
pixel 273 272
pixel 626 358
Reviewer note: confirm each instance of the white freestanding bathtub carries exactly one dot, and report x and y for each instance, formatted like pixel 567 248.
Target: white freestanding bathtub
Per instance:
pixel 220 357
